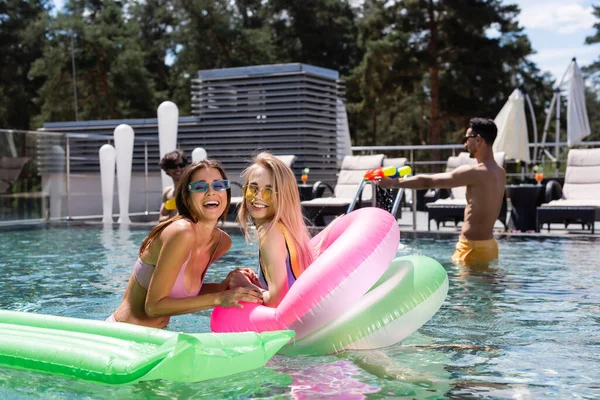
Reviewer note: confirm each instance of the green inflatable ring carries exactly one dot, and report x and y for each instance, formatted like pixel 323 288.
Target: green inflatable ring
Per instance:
pixel 119 353
pixel 406 296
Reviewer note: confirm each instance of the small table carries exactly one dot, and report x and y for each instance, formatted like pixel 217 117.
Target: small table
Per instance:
pixel 525 200
pixel 306 191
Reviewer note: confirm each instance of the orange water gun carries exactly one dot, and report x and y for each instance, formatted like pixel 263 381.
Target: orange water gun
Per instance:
pixel 387 172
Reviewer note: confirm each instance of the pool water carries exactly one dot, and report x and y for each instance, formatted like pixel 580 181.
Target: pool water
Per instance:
pixel 526 327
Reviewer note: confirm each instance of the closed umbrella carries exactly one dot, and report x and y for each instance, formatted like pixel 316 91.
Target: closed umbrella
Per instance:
pixel 512 136
pixel 578 124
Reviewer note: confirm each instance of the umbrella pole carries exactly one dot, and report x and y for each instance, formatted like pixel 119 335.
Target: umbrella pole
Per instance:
pixel 534 123
pixel 547 123
pixel 557 138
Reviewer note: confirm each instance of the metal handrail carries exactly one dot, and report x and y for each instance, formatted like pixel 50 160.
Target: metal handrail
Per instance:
pixel 412 148
pixel 450 146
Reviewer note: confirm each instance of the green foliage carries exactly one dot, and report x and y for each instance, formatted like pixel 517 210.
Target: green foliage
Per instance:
pixel 22 37
pixel 429 66
pixel 112 81
pixel 415 71
pixel 317 32
pixel 593 70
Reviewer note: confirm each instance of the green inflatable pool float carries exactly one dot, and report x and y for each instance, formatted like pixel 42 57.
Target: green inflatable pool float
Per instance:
pixel 118 353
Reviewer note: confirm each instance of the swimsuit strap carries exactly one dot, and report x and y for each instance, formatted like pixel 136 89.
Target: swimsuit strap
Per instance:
pixel 292 253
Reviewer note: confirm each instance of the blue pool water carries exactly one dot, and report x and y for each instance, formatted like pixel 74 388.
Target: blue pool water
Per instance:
pixel 526 327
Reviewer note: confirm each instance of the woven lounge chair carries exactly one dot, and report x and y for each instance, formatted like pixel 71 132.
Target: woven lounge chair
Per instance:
pixel 320 209
pixel 10 170
pixel 453 208
pixel 579 200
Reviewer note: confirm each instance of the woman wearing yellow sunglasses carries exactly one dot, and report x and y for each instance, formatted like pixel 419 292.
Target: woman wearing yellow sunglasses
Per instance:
pixel 272 203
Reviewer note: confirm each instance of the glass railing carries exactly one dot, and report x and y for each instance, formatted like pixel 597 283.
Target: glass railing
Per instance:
pixel 32 176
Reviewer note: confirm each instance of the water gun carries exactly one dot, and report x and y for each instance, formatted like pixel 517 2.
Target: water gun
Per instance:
pixel 387 172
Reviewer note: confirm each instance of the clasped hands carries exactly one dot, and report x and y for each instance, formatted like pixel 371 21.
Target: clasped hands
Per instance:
pixel 241 286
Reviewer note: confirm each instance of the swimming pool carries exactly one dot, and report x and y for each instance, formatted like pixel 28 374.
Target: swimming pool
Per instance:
pixel 525 327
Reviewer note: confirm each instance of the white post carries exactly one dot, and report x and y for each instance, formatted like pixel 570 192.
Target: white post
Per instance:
pixel 556 148
pixel 168 118
pixel 199 154
pixel 108 157
pixel 124 135
pixel 56 182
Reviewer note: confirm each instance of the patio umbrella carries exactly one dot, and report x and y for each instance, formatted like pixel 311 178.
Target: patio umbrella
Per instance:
pixel 512 136
pixel 578 124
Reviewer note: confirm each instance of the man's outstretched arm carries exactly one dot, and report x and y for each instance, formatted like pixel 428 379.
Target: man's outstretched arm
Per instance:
pixel 461 176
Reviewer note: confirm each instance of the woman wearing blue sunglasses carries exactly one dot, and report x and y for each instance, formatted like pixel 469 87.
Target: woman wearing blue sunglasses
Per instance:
pixel 168 276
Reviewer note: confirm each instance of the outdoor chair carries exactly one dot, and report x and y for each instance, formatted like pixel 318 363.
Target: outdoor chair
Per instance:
pixel 578 201
pixel 320 209
pixel 10 170
pixel 453 207
pixel 237 200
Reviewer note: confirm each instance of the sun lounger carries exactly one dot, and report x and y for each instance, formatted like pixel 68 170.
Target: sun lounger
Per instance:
pixel 350 176
pixel 579 200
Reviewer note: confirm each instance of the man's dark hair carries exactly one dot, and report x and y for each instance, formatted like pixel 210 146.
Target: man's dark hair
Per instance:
pixel 169 160
pixel 484 127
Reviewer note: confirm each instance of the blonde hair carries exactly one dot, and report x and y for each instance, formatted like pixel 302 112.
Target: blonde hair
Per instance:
pixel 286 202
pixel 185 206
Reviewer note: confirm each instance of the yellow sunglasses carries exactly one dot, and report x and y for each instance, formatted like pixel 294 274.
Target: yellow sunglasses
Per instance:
pixel 251 191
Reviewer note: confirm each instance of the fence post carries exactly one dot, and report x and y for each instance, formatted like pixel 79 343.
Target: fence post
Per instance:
pixel 68 155
pixel 146 173
pixel 414 192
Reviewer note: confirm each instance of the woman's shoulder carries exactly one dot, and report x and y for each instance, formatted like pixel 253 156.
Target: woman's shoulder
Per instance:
pixel 181 230
pixel 224 238
pixel 224 241
pixel 274 235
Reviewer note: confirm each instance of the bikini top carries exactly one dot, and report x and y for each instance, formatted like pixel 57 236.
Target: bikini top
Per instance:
pixel 291 262
pixel 143 273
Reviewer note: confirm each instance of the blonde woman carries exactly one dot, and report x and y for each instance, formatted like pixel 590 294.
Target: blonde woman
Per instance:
pixel 168 277
pixel 272 203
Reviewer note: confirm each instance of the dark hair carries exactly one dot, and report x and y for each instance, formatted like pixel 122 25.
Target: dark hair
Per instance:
pixel 484 127
pixel 185 207
pixel 171 159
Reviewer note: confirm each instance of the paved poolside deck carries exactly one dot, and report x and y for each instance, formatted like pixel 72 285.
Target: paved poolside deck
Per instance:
pixel 406 224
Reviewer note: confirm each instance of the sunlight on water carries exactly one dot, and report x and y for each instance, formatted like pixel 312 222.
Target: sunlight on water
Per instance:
pixel 527 326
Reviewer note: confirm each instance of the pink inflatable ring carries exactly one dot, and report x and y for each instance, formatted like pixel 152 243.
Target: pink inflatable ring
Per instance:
pixel 354 253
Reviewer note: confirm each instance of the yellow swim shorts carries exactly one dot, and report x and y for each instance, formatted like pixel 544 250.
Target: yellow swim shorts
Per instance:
pixel 475 250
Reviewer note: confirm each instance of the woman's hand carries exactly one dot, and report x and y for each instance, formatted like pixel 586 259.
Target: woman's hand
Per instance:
pixel 232 297
pixel 240 277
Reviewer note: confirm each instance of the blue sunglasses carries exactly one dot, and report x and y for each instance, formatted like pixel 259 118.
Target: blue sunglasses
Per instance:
pixel 202 186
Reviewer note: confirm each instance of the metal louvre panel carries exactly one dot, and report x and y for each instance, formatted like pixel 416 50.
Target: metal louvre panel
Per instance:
pixel 237 112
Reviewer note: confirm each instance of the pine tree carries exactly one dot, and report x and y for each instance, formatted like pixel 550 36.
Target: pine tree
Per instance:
pixel 22 36
pixel 112 81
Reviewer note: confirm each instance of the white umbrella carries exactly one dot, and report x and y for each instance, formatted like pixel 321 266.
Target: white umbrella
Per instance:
pixel 512 136
pixel 578 124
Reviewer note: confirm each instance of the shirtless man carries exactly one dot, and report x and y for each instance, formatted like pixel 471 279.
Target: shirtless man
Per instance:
pixel 173 164
pixel 485 184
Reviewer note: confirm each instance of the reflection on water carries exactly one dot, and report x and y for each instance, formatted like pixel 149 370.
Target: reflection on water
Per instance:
pixel 526 326
pixel 119 252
